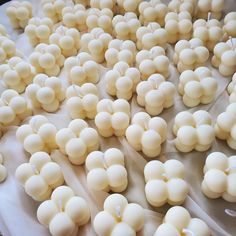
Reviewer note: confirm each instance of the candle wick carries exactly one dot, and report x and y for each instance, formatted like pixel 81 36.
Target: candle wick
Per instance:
pixel 109 107
pixel 35 169
pixel 60 205
pixel 230 168
pixel 231 213
pixel 104 162
pixel 146 125
pixel 187 231
pixel 164 175
pixel 231 41
pixel 118 212
pixel 208 16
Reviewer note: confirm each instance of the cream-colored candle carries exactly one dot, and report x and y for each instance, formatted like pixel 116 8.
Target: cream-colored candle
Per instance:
pixel 3 170
pixel 232 89
pixel 101 4
pixel 229 25
pixel 182 5
pixel 7 49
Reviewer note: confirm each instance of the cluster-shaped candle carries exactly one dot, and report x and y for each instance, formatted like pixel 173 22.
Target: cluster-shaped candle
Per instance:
pixel 210 32
pixel 64 212
pixel 68 39
pixel 146 134
pixel 190 54
pixel 225 57
pixel 155 94
pixel 151 35
pixel 225 126
pixel 182 5
pixel 3 169
pixel 165 183
pixel 38 135
pixel 122 80
pixel 19 13
pixel 82 69
pixel 96 43
pixel 99 18
pixel 46 92
pixel 205 6
pixel 7 49
pixel 125 26
pixel 193 131
pixel 38 30
pixel 178 26
pixel 39 176
pixel 77 141
pixel 232 89
pixel 229 25
pixel 152 61
pixel 128 5
pixel 82 101
pixel 13 108
pixel 102 4
pixel 53 9
pixel 197 86
pixel 178 221
pixel 119 217
pixel 219 177
pixel 75 17
pixel 16 74
pixel 106 171
pixel 112 117
pixel 152 11
pixel 3 31
pixel 120 50
pixel 47 59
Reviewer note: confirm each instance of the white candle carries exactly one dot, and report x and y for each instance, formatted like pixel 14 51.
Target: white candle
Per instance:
pixel 232 89
pixel 182 5
pixel 229 25
pixel 7 49
pixel 102 4
pixel 3 170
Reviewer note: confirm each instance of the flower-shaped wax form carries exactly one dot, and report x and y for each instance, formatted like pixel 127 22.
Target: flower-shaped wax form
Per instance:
pixel 82 101
pixel 38 30
pixel 125 26
pixel 178 221
pixel 3 170
pixel 46 92
pixel 128 6
pixel 225 127
pixel 232 89
pixel 82 69
pixel 178 26
pixel 3 31
pixel 182 5
pixel 19 13
pixel 197 86
pixel 210 32
pixel 39 176
pixel 190 54
pixel 68 39
pixel 165 183
pixel 151 35
pixel 122 80
pixel 106 171
pixel 220 176
pixel 155 94
pixel 109 4
pixel 193 131
pixel 205 6
pixel 7 49
pixel 77 141
pixel 13 108
pixel 146 134
pixel 47 59
pixel 17 74
pixel 38 135
pixel 152 11
pixel 64 212
pixel 229 25
pixel 53 9
pixel 152 61
pixel 120 50
pixel 75 17
pixel 225 57
pixel 99 18
pixel 119 217
pixel 112 117
pixel 96 43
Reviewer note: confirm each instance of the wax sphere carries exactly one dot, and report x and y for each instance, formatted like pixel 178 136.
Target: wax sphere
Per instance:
pixel 7 49
pixel 184 5
pixel 229 22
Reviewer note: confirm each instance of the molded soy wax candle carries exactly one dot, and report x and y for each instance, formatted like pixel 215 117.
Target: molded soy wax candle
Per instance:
pixel 229 25
pixel 146 134
pixel 82 69
pixel 64 213
pixel 3 170
pixel 46 92
pixel 82 101
pixel 102 4
pixel 178 221
pixel 232 89
pixel 13 108
pixel 197 86
pixel 155 94
pixel 106 171
pixel 19 13
pixel 7 49
pixel 119 217
pixel 165 183
pixel 38 135
pixel 122 80
pixel 40 176
pixel 182 5
pixel 112 117
pixel 193 131
pixel 219 177
pixel 77 141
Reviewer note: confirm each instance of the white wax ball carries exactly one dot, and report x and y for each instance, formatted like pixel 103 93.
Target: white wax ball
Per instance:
pixel 97 179
pixel 6 114
pixel 187 56
pixel 63 136
pixel 74 147
pixel 47 132
pixel 114 156
pixel 122 229
pixel 22 132
pixel 187 135
pixel 103 120
pixel 166 229
pixel 134 133
pixel 33 143
pixel 47 61
pixel 120 120
pixel 199 227
pixel 153 170
pixel 77 126
pixel 174 169
pixel 151 139
pixel 216 160
pixel 18 104
pixel 36 186
pixel 117 175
